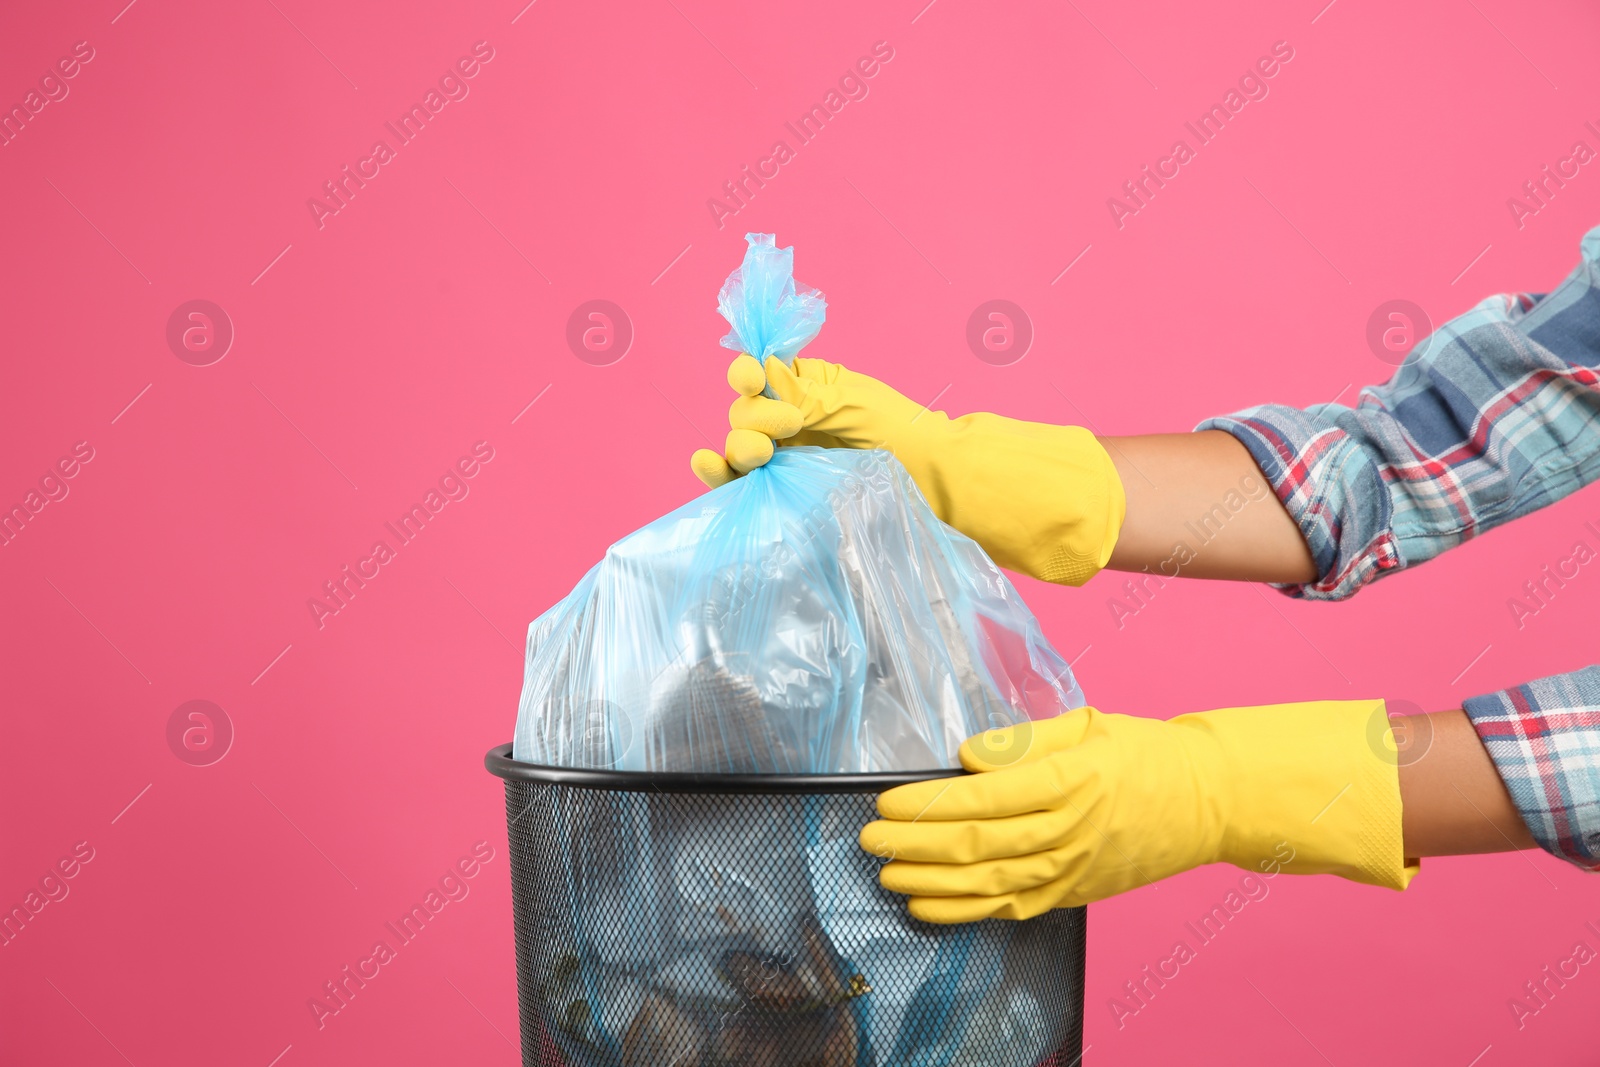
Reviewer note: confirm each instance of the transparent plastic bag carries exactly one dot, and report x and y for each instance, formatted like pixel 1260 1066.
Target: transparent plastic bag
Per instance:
pixel 811 617
pixel 770 316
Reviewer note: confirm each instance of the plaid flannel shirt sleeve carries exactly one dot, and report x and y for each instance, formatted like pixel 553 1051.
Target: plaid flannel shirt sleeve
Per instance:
pixel 1494 415
pixel 1544 738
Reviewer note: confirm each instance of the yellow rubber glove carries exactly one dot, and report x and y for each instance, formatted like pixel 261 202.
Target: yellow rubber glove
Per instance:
pixel 1071 810
pixel 1043 500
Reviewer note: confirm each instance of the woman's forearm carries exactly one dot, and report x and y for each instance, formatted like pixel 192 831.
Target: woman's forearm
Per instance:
pixel 1453 801
pixel 1199 507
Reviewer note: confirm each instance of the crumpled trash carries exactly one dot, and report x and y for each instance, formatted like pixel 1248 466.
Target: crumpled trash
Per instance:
pixel 755 932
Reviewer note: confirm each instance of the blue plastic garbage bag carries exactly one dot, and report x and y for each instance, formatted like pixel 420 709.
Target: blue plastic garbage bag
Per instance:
pixel 811 617
pixel 769 314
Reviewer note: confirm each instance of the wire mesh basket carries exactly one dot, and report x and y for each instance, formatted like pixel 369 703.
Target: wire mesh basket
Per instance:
pixel 704 920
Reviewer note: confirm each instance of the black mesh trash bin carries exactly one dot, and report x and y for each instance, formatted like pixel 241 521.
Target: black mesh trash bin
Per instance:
pixel 705 920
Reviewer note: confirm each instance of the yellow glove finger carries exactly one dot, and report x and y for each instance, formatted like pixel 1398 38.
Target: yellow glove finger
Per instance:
pixel 831 399
pixel 771 417
pixel 711 468
pixel 746 450
pixel 967 842
pixel 814 437
pixel 1014 746
pixel 1024 905
pixel 746 376
pixel 996 794
pixel 795 388
pixel 812 370
pixel 986 879
pixel 857 411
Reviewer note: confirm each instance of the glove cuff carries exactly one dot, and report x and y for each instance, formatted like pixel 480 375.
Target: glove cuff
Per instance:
pixel 1085 550
pixel 1043 500
pixel 1320 779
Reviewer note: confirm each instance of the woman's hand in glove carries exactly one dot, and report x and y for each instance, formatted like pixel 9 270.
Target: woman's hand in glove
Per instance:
pixel 1043 500
pixel 1077 808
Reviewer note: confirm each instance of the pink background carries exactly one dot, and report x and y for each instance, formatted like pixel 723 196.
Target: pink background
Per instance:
pixel 428 313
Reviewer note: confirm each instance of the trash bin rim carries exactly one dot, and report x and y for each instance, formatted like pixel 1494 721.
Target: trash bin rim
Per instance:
pixel 499 763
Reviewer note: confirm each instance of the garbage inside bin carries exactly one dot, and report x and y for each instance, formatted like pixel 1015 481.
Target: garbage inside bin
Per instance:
pixel 714 920
pixel 704 722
